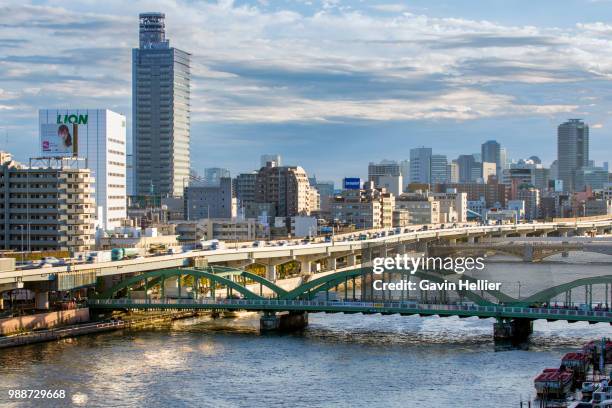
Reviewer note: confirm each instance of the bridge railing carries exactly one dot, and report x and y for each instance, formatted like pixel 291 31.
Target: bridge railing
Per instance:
pixel 407 306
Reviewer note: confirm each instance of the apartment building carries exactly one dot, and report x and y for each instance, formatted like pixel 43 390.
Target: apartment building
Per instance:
pixel 364 208
pixel 47 206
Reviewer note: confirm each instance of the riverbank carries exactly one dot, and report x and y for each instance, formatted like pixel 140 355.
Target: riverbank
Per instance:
pixel 125 322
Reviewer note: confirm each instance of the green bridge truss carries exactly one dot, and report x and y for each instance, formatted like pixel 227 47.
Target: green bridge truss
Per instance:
pixel 232 281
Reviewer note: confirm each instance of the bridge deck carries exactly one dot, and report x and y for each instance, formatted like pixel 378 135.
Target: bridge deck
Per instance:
pixel 403 308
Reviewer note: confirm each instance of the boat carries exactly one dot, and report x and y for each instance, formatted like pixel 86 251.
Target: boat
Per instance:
pixel 578 362
pixel 554 383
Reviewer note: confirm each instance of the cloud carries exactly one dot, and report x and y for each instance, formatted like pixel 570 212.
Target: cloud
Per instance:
pixel 316 62
pixel 390 8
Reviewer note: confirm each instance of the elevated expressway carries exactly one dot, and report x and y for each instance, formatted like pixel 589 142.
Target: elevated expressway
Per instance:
pixel 78 275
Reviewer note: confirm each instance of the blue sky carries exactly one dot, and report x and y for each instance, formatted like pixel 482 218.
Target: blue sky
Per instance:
pixel 329 84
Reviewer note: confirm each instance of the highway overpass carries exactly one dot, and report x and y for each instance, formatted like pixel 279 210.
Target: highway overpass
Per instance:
pixel 76 275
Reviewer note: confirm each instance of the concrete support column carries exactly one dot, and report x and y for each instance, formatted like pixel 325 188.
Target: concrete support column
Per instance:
pixel 564 234
pixel 271 272
pixel 452 241
pixel 305 267
pixel 41 300
pixel 351 259
pixel 331 264
pixel 523 235
pixel 471 240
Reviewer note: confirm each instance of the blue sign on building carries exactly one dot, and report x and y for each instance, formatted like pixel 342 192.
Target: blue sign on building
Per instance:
pixel 351 183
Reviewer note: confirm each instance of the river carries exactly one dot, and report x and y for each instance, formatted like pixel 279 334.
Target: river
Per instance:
pixel 338 361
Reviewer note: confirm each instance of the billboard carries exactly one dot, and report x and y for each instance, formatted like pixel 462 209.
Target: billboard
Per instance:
pixel 61 138
pixel 351 183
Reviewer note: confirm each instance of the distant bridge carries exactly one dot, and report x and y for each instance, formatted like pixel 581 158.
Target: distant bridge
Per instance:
pixel 528 251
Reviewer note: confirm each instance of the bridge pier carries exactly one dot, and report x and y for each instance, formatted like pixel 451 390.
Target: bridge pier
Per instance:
pixel 351 259
pixel 515 331
pixel 284 322
pixel 271 272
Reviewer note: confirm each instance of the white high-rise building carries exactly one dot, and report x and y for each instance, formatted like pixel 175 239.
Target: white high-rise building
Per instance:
pixel 98 135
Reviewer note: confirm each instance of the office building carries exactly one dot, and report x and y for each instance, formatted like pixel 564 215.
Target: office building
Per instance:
pixel 160 111
pixel 468 168
pixel 420 165
pixel 594 177
pixel 47 206
pixel 438 172
pixel 572 151
pixel 384 168
pixel 490 152
pixel 452 172
pixel 99 136
pixel 208 201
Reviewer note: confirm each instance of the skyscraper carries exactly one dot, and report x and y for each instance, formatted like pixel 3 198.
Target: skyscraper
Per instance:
pixel 420 165
pixel 572 151
pixel 438 169
pixel 467 168
pixel 160 111
pixel 490 152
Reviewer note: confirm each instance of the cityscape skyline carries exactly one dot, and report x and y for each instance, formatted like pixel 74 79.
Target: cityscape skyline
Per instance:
pixel 289 103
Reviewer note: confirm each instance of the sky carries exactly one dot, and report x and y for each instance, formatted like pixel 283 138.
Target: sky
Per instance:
pixel 329 84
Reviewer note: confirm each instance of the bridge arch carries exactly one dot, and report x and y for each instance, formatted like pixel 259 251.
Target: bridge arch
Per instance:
pixel 163 274
pixel 228 271
pixel 547 295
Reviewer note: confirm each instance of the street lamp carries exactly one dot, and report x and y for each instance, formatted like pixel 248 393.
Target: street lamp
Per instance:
pixel 519 289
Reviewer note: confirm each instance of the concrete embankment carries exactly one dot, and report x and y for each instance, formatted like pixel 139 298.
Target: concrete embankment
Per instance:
pixel 90 328
pixel 41 321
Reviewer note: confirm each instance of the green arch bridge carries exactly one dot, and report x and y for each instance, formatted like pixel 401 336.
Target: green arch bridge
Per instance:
pixel 350 291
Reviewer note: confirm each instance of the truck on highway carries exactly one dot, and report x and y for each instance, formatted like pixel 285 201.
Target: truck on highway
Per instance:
pixel 99 256
pixel 211 245
pixel 118 254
